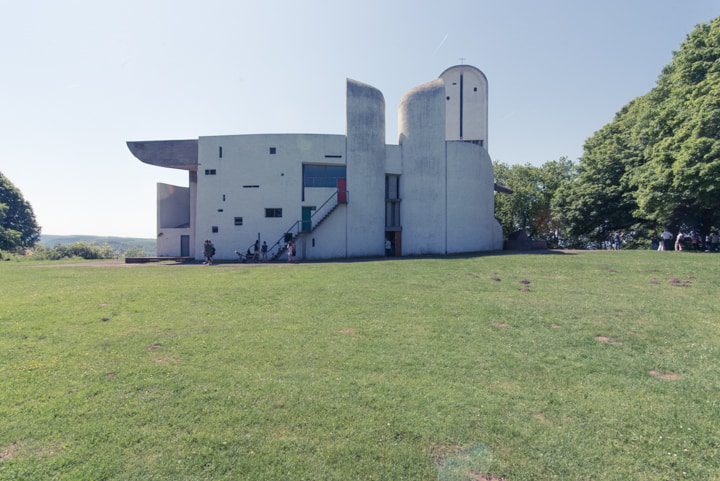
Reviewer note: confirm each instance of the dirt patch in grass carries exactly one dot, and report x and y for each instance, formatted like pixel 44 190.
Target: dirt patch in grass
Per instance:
pixel 348 331
pixel 102 304
pixel 676 282
pixel 654 281
pixel 495 277
pixel 165 359
pixel 154 346
pixel 524 289
pixel 8 452
pixel 110 375
pixel 555 326
pixel 104 319
pixel 501 325
pixel 608 340
pixel 483 477
pixel 541 417
pixel 665 375
pixel 611 270
pixel 525 282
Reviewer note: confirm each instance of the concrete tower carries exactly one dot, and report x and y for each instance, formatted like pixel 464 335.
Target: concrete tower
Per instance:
pixel 466 101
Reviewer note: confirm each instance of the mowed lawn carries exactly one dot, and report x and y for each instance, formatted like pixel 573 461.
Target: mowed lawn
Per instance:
pixel 590 366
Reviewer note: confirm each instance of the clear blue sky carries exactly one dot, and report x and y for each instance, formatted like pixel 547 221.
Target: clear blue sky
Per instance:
pixel 79 78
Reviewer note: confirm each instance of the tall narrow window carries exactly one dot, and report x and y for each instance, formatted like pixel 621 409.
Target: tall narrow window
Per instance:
pixel 220 152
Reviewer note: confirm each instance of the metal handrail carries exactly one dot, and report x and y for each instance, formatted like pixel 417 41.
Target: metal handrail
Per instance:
pixel 282 237
pixel 292 228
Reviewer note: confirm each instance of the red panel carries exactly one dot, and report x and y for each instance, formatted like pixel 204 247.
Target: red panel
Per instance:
pixel 342 190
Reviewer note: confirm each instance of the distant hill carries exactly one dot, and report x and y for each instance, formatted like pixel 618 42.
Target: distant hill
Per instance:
pixel 120 244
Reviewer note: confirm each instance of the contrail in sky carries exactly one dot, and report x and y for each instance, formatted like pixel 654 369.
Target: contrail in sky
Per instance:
pixel 441 43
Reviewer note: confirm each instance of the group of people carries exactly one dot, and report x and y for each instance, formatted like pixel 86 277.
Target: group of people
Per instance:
pixel 695 241
pixel 614 242
pixel 255 253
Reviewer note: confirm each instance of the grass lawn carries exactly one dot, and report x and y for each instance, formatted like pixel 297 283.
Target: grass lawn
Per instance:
pixel 425 369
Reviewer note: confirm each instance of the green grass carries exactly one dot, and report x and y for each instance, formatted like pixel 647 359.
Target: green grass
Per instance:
pixel 377 370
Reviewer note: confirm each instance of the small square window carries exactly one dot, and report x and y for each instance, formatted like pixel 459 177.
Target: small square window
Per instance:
pixel 273 150
pixel 474 89
pixel 273 212
pixel 215 229
pixel 447 98
pixel 221 210
pixel 238 220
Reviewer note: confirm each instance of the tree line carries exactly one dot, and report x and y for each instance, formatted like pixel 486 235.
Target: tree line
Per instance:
pixel 656 165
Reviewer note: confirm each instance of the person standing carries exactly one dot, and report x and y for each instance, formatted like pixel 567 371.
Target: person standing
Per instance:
pixel 290 249
pixel 678 242
pixel 209 252
pixel 714 242
pixel 256 251
pixel 388 247
pixel 617 241
pixel 264 249
pixel 666 239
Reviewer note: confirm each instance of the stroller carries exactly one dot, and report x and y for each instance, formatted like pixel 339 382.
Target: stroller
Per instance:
pixel 245 258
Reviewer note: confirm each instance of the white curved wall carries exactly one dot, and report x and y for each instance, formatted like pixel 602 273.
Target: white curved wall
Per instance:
pixel 421 122
pixel 365 170
pixel 471 224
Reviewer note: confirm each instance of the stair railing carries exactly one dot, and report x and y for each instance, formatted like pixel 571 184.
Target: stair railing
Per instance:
pixel 290 230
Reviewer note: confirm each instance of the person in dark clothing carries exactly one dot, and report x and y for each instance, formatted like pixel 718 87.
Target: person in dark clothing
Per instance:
pixel 264 250
pixel 209 252
pixel 256 251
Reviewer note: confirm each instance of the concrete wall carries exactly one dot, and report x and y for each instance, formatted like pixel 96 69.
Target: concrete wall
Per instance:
pixel 393 159
pixel 173 206
pixel 365 170
pixel 471 224
pixel 168 241
pixel 474 104
pixel 247 161
pixel 421 122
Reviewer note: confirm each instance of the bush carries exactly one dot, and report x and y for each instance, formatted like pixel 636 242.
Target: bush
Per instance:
pixel 83 250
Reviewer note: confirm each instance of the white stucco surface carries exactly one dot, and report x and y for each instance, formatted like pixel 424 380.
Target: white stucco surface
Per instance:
pixel 474 104
pixel 365 170
pixel 247 161
pixel 421 121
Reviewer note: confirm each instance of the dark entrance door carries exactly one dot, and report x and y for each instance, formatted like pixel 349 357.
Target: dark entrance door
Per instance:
pixel 185 245
pixel 306 218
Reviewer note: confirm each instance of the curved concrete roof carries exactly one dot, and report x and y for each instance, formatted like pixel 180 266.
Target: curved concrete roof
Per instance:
pixel 471 67
pixel 174 154
pixel 359 89
pixel 428 88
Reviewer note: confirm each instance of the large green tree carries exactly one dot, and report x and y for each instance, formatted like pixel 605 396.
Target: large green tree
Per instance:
pixel 528 208
pixel 657 163
pixel 18 228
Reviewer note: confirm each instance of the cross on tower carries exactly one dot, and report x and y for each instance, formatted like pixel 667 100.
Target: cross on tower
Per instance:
pixel 462 60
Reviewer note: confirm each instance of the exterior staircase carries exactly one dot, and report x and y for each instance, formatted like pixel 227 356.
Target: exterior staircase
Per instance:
pixel 298 229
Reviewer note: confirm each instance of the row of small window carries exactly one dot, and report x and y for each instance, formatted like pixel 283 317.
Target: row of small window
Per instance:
pixel 272 212
pixel 272 150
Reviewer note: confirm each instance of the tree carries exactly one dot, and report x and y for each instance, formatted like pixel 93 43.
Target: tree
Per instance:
pixel 529 207
pixel 18 228
pixel 657 163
